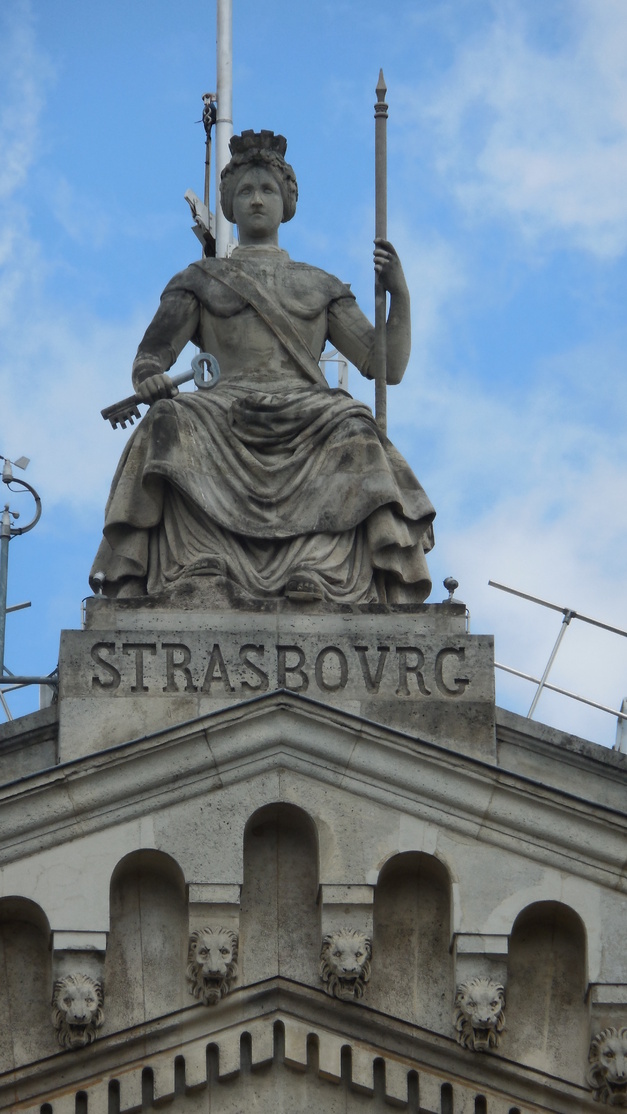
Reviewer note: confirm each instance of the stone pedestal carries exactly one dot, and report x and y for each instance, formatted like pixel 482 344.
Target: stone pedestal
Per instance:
pixel 138 668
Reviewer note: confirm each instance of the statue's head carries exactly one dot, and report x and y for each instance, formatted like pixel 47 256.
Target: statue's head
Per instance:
pixel 264 149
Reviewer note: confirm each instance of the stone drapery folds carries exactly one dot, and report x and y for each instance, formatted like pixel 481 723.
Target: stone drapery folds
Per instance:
pixel 266 477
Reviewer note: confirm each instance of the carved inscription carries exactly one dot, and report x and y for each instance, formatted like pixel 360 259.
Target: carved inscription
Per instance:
pixel 404 671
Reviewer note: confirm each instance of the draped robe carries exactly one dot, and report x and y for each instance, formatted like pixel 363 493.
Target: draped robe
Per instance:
pixel 269 475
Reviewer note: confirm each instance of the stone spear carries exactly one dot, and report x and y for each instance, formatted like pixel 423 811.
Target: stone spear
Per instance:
pixel 381 204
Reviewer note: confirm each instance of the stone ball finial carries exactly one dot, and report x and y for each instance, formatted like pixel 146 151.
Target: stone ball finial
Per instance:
pixel 451 585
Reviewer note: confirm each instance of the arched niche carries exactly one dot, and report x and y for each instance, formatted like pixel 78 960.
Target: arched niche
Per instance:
pixel 546 1012
pixel 280 918
pixel 412 973
pixel 26 1032
pixel 147 946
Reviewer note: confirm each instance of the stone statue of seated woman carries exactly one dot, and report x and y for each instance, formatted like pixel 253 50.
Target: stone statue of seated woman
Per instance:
pixel 274 482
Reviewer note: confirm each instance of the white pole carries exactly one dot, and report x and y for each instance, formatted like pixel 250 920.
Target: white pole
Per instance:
pixel 224 119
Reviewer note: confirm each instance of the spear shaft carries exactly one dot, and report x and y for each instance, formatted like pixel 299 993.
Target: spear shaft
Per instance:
pixel 381 221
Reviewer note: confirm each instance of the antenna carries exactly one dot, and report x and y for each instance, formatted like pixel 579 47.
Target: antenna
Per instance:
pixel 204 226
pixel 568 614
pixel 214 231
pixel 335 357
pixel 8 531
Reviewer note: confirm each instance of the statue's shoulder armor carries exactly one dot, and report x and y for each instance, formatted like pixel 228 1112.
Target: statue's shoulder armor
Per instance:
pixel 308 290
pixel 200 280
pixel 304 275
pixel 301 289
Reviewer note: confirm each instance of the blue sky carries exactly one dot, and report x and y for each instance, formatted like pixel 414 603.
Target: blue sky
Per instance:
pixel 507 150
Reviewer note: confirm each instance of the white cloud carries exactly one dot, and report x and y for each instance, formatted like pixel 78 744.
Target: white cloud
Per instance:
pixel 62 372
pixel 59 366
pixel 435 271
pixel 529 489
pixel 25 73
pixel 528 482
pixel 79 216
pixel 537 132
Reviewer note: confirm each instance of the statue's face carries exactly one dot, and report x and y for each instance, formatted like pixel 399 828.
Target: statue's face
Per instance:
pixel 257 206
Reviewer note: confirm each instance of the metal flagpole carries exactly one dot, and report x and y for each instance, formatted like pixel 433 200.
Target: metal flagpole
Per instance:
pixel 224 119
pixel 381 220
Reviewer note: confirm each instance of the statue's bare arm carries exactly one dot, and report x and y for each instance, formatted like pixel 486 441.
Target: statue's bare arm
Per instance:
pixel 398 329
pixel 175 322
pixel 351 332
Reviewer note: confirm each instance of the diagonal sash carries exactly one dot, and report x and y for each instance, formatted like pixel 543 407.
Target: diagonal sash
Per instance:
pixel 275 317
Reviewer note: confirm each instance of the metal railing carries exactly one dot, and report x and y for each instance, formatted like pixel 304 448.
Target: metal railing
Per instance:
pixel 542 683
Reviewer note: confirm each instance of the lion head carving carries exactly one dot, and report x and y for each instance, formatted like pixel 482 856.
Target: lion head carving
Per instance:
pixel 211 963
pixel 607 1074
pixel 77 1010
pixel 479 1013
pixel 345 963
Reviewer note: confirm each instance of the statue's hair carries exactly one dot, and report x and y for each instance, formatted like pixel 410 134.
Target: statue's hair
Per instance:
pixel 264 149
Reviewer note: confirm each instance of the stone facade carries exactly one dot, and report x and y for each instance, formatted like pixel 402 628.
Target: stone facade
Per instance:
pixel 386 891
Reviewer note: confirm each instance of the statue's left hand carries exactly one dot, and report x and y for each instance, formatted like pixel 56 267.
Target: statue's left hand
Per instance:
pixel 388 266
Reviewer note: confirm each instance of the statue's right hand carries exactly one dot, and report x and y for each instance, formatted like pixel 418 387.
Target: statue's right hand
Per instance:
pixel 156 386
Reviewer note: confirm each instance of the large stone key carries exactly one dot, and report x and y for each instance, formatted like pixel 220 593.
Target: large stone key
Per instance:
pixel 205 371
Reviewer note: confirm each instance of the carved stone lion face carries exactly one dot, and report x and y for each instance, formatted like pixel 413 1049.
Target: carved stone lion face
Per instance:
pixel 479 1013
pixel 608 1066
pixel 345 963
pixel 211 963
pixel 77 1010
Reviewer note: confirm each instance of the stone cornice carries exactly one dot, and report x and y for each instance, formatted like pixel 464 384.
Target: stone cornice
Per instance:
pixel 283 731
pixel 302 1012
